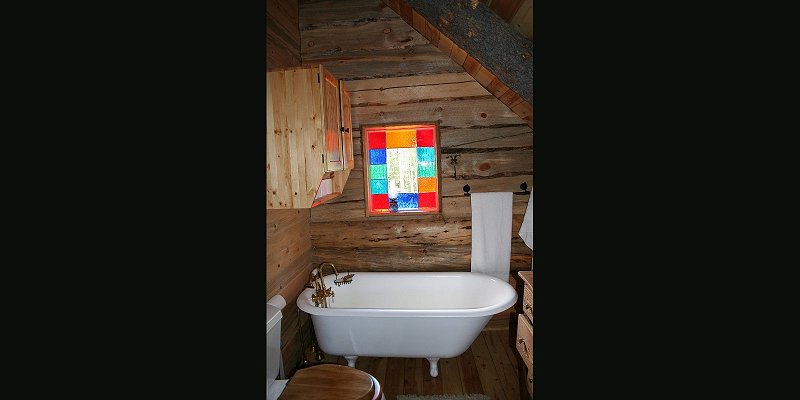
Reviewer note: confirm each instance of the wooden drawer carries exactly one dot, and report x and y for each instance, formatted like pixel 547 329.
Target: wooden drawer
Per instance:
pixel 524 341
pixel 527 303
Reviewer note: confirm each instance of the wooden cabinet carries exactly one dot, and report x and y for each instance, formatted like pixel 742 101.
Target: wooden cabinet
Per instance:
pixel 309 136
pixel 524 341
pixel 347 127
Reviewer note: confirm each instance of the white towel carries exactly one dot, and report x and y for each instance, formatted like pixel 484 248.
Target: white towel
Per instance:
pixel 526 230
pixel 491 233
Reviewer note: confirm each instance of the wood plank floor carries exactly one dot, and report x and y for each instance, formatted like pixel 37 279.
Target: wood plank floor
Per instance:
pixel 490 366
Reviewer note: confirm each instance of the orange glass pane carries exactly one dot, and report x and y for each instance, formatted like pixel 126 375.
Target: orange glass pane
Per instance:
pixel 426 185
pixel 401 138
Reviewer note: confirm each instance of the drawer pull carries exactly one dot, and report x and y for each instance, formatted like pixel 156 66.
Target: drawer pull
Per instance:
pixel 524 346
pixel 527 306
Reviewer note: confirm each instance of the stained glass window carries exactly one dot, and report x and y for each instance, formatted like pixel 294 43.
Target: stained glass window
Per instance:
pixel 401 169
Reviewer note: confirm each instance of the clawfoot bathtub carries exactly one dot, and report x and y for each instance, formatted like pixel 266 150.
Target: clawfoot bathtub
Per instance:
pixel 429 315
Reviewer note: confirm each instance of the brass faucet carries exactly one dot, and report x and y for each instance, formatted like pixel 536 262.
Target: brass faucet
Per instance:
pixel 316 281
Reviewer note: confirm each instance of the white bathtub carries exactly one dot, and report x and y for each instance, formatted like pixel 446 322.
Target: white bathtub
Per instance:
pixel 429 315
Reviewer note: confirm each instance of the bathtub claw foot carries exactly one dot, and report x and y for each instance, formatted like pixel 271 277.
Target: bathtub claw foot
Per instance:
pixel 351 361
pixel 434 366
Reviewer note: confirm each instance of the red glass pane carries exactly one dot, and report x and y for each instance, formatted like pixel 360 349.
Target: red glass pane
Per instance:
pixel 427 200
pixel 380 202
pixel 377 140
pixel 425 138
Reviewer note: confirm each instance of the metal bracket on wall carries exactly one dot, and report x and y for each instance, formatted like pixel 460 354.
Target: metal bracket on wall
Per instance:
pixel 454 161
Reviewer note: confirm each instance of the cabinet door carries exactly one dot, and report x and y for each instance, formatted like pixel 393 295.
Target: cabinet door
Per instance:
pixel 331 119
pixel 346 128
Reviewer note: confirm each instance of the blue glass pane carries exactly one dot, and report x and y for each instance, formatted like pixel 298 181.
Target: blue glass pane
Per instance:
pixel 377 171
pixel 407 201
pixel 378 186
pixel 377 156
pixel 426 154
pixel 426 169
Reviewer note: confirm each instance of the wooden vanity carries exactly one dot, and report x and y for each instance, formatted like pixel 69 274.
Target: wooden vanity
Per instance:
pixel 524 335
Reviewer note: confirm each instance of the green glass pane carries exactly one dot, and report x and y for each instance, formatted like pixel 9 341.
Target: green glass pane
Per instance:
pixel 426 169
pixel 377 171
pixel 378 186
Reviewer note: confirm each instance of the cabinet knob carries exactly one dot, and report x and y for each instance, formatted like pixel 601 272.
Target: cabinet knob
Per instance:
pixel 527 306
pixel 530 380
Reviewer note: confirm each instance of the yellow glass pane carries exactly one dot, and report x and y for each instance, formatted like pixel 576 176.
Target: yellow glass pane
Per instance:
pixel 401 138
pixel 426 185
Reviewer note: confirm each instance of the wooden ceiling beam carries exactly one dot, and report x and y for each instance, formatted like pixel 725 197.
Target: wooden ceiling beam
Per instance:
pixel 477 39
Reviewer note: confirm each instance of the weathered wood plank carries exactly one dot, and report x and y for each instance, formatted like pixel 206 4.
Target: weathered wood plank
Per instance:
pixel 449 371
pixel 395 375
pixel 369 36
pixel 405 81
pixel 283 34
pixel 412 258
pixel 458 54
pixel 469 373
pixel 316 13
pixel 488 375
pixel 522 21
pixel 506 369
pixel 486 136
pixel 456 113
pixel 389 233
pixel 424 59
pixel 505 9
pixel 419 94
pixel 471 165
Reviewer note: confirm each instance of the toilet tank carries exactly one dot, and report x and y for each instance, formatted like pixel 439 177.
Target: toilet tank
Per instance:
pixel 273 342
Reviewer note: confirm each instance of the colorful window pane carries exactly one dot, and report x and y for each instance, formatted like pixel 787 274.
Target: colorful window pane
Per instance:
pixel 425 185
pixel 377 171
pixel 380 202
pixel 377 156
pixel 425 138
pixel 427 200
pixel 426 169
pixel 378 186
pixel 407 201
pixel 401 169
pixel 377 140
pixel 401 138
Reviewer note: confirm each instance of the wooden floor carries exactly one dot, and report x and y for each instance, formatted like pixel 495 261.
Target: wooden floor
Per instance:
pixel 489 366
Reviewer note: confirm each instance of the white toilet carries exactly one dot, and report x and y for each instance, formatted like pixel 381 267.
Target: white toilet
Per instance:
pixel 274 359
pixel 344 383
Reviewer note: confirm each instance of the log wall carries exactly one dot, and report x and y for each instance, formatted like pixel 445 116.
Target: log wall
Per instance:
pixel 283 34
pixel 396 76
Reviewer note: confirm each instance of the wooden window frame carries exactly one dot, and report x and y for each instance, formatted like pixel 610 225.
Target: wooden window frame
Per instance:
pixel 365 162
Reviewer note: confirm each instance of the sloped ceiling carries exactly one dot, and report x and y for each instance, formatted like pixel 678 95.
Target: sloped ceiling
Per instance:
pixel 499 57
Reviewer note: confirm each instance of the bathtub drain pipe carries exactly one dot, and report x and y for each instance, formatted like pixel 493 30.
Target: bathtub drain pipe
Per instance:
pixel 304 363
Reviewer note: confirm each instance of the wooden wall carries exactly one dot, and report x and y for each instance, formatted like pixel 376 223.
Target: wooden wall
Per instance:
pixel 283 34
pixel 395 75
pixel 288 238
pixel 288 265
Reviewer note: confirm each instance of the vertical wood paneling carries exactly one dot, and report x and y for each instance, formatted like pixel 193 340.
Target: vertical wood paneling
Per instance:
pixel 288 265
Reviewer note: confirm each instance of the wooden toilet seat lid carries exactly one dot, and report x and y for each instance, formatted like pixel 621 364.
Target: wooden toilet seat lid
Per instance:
pixel 331 382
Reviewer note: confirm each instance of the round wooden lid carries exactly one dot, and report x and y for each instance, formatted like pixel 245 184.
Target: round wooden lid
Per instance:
pixel 331 382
